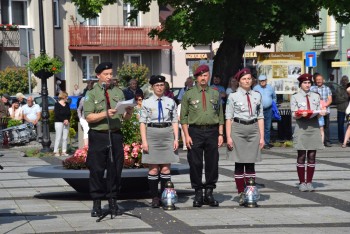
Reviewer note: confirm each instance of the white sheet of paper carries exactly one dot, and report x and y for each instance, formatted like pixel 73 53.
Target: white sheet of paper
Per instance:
pixel 120 107
pixel 314 113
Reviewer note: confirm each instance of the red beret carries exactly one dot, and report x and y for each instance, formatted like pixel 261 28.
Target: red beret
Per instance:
pixel 305 77
pixel 241 73
pixel 201 69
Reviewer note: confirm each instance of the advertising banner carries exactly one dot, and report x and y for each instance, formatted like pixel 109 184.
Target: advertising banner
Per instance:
pixel 282 70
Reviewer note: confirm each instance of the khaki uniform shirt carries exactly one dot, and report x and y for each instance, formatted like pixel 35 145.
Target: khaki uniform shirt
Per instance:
pixel 298 101
pixel 192 111
pixel 95 103
pixel 237 105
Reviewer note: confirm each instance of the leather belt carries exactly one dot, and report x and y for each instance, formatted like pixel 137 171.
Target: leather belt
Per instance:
pixel 159 125
pixel 204 126
pixel 245 122
pixel 107 131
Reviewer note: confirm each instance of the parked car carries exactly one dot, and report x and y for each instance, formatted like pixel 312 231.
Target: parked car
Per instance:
pixel 176 92
pixel 73 101
pixel 38 100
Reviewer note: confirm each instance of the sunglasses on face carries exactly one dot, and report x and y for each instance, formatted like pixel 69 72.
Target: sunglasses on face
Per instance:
pixel 140 99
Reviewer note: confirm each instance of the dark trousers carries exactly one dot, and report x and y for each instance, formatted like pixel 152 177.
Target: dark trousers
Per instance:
pixel 326 129
pixel 98 161
pixel 267 125
pixel 205 144
pixel 340 121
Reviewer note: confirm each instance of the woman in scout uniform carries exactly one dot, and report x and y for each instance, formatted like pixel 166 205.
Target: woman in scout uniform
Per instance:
pixel 307 135
pixel 244 130
pixel 159 133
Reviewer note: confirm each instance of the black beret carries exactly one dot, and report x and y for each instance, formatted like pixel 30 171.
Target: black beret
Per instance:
pixel 305 77
pixel 156 79
pixel 103 66
pixel 241 73
pixel 200 70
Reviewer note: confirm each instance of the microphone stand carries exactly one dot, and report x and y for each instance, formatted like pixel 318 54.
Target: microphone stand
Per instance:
pixel 110 165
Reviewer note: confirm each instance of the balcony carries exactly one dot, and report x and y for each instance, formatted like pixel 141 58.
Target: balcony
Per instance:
pixel 113 38
pixel 9 40
pixel 325 41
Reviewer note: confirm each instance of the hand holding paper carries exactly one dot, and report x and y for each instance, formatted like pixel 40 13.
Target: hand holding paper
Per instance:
pixel 121 106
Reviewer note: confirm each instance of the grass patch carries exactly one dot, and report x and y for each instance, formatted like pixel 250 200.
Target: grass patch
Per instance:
pixel 36 153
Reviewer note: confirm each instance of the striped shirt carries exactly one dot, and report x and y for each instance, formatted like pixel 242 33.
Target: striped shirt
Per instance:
pixel 324 92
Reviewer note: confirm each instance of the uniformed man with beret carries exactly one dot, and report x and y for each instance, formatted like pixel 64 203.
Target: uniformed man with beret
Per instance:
pixel 202 121
pixel 103 119
pixel 307 135
pixel 244 129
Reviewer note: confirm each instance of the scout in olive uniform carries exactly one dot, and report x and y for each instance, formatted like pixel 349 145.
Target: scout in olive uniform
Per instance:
pixel 307 134
pixel 159 131
pixel 244 130
pixel 98 153
pixel 202 122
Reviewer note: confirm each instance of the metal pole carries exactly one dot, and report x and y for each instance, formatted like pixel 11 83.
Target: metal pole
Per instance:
pixel 28 57
pixel 340 50
pixel 46 142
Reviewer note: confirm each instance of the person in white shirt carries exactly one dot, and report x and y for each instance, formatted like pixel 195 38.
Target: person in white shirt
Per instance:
pixel 16 111
pixel 32 114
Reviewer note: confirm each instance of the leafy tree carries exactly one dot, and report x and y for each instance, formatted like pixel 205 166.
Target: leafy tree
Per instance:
pixel 234 23
pixel 15 80
pixel 133 71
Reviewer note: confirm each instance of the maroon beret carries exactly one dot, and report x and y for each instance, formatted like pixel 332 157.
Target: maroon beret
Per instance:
pixel 241 73
pixel 200 70
pixel 305 77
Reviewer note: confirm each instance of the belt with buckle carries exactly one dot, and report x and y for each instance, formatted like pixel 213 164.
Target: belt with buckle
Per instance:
pixel 107 131
pixel 159 125
pixel 208 126
pixel 245 122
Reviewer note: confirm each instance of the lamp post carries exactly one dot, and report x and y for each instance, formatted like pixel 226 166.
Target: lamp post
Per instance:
pixel 46 142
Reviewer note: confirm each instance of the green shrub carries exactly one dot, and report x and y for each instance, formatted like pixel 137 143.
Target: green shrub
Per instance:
pixel 133 71
pixel 14 122
pixel 15 80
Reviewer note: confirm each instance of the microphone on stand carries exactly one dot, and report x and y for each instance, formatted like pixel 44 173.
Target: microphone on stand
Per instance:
pixel 104 85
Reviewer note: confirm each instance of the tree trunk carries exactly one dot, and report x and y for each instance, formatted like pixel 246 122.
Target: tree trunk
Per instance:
pixel 228 59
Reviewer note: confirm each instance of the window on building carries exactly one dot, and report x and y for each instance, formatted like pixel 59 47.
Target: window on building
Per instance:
pixel 56 14
pixel 133 58
pixel 127 8
pixel 90 62
pixel 14 12
pixel 91 22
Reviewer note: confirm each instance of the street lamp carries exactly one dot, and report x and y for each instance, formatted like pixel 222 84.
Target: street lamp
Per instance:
pixel 46 142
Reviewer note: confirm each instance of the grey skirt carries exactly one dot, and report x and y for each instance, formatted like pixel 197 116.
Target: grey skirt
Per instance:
pixel 307 135
pixel 246 140
pixel 160 146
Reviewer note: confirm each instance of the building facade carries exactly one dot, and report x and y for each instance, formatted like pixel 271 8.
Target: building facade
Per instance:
pixel 330 40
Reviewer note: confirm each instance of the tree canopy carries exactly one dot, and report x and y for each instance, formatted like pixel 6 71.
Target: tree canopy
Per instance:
pixel 234 23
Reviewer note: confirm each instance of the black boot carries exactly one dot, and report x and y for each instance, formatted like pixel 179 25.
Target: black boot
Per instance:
pixel 209 198
pixel 198 198
pixel 113 207
pixel 96 209
pixel 153 181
